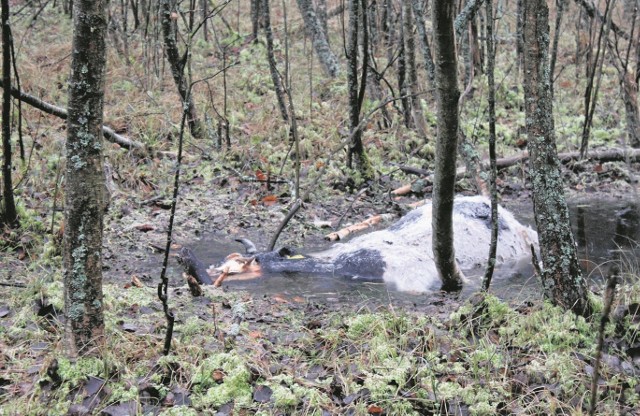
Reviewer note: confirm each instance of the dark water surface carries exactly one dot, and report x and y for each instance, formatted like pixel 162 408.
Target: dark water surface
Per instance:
pixel 605 230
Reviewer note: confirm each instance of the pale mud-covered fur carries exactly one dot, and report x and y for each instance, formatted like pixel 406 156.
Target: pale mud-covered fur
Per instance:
pixel 402 254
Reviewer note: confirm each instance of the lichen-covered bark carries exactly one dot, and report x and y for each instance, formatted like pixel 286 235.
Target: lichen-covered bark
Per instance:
pixel 177 65
pixel 8 214
pixel 447 94
pixel 84 180
pixel 561 276
pixel 319 38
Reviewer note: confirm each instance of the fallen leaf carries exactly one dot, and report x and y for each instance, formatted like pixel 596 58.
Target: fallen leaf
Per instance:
pixel 374 410
pixel 260 175
pixel 135 280
pixel 255 334
pixel 269 200
pixel 280 299
pixel 262 394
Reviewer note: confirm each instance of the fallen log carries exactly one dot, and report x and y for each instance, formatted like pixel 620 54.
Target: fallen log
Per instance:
pixel 603 155
pixel 60 112
pixel 193 266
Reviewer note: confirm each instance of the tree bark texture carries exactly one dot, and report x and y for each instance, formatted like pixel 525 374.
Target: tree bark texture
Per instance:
pixel 319 38
pixel 177 65
pixel 84 180
pixel 629 92
pixel 562 279
pixel 273 69
pixel 447 95
pixel 419 12
pixel 8 213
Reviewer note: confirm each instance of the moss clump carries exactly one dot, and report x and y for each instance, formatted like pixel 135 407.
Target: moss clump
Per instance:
pixel 73 372
pixel 212 390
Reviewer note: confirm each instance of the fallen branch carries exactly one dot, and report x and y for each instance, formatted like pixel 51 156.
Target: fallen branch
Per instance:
pixel 369 222
pixel 60 112
pixel 605 155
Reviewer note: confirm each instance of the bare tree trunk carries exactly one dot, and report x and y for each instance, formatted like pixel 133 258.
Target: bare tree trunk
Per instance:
pixel 356 151
pixel 85 187
pixel 412 73
pixel 447 95
pixel 560 4
pixel 403 88
pixel 255 19
pixel 419 11
pixel 519 38
pixel 8 213
pixel 591 93
pixel 562 279
pixel 319 38
pixel 491 61
pixel 275 75
pixel 178 64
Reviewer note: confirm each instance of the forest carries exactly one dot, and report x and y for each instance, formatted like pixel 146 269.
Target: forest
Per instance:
pixel 173 169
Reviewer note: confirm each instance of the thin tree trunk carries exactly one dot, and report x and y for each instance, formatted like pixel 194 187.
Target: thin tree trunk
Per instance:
pixel 412 73
pixel 519 38
pixel 491 61
pixel 403 88
pixel 85 187
pixel 630 97
pixel 319 38
pixel 447 95
pixel 255 19
pixel 177 65
pixel 356 154
pixel 562 279
pixel 560 4
pixel 273 69
pixel 591 93
pixel 8 213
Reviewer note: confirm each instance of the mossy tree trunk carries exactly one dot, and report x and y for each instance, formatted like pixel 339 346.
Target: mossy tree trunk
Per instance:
pixel 561 276
pixel 85 181
pixel 447 95
pixel 8 213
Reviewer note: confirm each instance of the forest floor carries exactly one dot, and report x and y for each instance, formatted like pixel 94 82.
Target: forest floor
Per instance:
pixel 240 353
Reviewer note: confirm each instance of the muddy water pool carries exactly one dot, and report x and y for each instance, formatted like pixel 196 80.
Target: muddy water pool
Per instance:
pixel 605 230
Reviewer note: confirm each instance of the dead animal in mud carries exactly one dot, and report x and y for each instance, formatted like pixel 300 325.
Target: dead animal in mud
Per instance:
pixel 400 255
